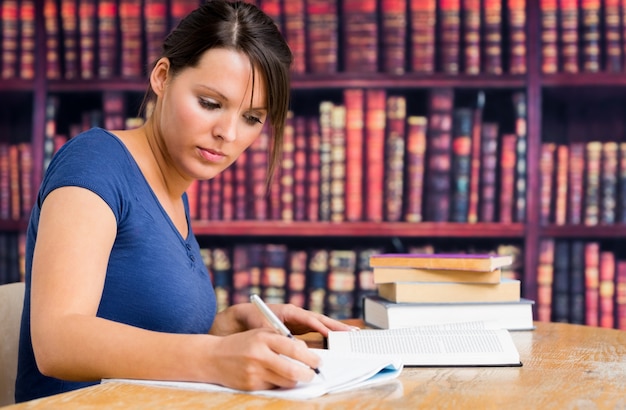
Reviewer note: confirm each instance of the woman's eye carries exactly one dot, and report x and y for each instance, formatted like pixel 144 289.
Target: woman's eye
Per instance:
pixel 208 104
pixel 251 119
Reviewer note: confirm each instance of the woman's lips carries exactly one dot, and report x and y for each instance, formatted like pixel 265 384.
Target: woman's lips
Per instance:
pixel 212 156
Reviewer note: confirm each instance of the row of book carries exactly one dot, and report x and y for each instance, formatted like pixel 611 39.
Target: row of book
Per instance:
pixel 434 289
pixel 16 176
pixel 11 257
pixel 583 183
pixel 108 38
pixel 583 36
pixel 581 281
pixel 325 280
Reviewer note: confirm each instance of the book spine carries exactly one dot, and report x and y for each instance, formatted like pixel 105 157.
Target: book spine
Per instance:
pixel 576 180
pixel 460 171
pixel 300 169
pixel 274 273
pixel 546 174
pixel 417 127
pixel 549 16
pixel 215 198
pixel 10 38
pixel 393 32
pixel 449 35
pixel 51 25
pixel 25 179
pixel 517 36
pixel 340 284
pixel 545 279
pixel 294 31
pixel 471 36
pixel 203 200
pixel 577 282
pixel 608 183
pixel 612 36
pixel 360 25
pixel 317 273
pixel 592 279
pixel 337 163
pixel 296 277
pixel 50 129
pixel 590 26
pixel 155 19
pixel 474 188
pixel 507 178
pixel 69 23
pixel 592 183
pixel 27 39
pixel 621 183
pixel 364 284
pixel 287 170
pixel 560 298
pixel 394 158
pixel 258 157
pixel 488 172
pixel 108 38
pixel 423 18
pixel 493 37
pixel 87 11
pixel 231 197
pixel 439 147
pixel 521 127
pixel 568 10
pixel 620 295
pixel 313 169
pixel 561 183
pixel 606 289
pixel 322 36
pixel 131 42
pixel 354 100
pixel 222 277
pixel 180 8
pixel 375 122
pixel 325 112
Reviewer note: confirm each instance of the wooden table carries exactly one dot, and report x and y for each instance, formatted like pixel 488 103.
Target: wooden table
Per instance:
pixel 564 367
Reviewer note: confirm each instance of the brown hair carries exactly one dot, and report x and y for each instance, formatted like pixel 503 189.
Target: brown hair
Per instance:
pixel 244 28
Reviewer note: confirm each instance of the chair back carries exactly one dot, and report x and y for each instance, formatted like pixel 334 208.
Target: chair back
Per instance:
pixel 11 304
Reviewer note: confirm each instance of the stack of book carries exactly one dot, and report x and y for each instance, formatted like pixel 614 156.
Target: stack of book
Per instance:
pixel 427 289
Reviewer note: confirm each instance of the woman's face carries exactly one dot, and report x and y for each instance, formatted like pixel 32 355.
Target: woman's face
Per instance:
pixel 209 114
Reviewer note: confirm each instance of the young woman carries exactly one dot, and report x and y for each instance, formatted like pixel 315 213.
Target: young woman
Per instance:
pixel 115 285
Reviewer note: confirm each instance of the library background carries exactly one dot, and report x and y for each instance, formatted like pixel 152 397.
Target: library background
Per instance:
pixel 465 126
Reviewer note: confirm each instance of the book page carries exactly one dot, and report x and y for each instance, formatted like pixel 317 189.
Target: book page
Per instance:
pixel 454 344
pixel 338 372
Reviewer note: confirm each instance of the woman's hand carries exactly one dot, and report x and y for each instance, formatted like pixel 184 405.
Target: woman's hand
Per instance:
pixel 245 316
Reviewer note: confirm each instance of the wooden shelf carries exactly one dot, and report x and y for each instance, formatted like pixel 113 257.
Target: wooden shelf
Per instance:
pixel 581 231
pixel 602 79
pixel 360 229
pixel 17 84
pixel 98 85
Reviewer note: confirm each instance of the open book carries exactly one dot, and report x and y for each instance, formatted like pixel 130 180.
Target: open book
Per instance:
pixel 339 372
pixel 453 344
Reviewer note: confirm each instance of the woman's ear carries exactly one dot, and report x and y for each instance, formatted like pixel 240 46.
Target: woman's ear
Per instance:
pixel 159 74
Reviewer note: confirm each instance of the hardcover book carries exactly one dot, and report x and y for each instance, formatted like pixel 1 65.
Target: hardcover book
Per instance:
pixel 470 262
pixel 383 274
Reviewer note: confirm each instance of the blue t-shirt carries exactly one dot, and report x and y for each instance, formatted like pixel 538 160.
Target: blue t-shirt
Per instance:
pixel 155 278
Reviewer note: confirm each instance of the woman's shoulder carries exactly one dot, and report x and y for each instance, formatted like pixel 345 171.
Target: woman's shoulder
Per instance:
pixel 94 138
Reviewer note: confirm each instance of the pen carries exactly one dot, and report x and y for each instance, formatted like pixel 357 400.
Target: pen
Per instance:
pixel 274 320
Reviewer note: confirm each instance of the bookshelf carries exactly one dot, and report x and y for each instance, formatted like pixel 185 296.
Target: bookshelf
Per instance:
pixel 554 100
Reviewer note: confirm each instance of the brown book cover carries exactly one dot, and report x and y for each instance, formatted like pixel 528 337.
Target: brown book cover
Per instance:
pixel 590 36
pixel 395 139
pixel 488 172
pixel 507 290
pixel 461 164
pixel 300 169
pixel 10 38
pixel 203 200
pixel 51 26
pixel 549 16
pixel 193 199
pixel 325 111
pixel 87 12
pixel 354 100
pixel 108 39
pixel 313 169
pixel 294 32
pixel 464 261
pixel 337 163
pixel 237 176
pixel 608 183
pixel 561 184
pixel 439 155
pixel 593 164
pixel 568 30
pixel 131 41
pixel 471 26
pixel 606 289
pixel 215 198
pixel 155 20
pixel 417 127
pixel 393 35
pixel 384 274
pixel 69 25
pixel 507 178
pixel 360 34
pixel 576 179
pixel 612 36
pixel 474 187
pixel 592 283
pixel 26 177
pixel 545 279
pixel 322 26
pixel 422 24
pixel 449 25
pixel 546 185
pixel 27 39
pixel 375 122
pixel 493 36
pixel 258 159
pixel 517 36
pixel 287 169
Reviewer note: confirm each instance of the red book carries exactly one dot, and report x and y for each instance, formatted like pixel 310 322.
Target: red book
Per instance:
pixel 236 196
pixel 612 36
pixel 471 36
pixel 26 177
pixel 203 200
pixel 131 42
pixel 474 182
pixel 393 35
pixel 449 35
pixel 461 164
pixel 375 121
pixel 322 35
pixel 417 128
pixel 360 25
pixel 215 198
pixel 258 158
pixel 69 24
pixel 193 200
pixel 300 169
pixel 606 289
pixel 517 36
pixel 337 163
pixel 549 36
pixel 10 36
pixel 108 40
pixel 592 283
pixel 27 39
pixel 14 183
pixel 568 24
pixel 493 37
pixel 87 12
pixel 296 277
pixel 354 103
pixel 592 183
pixel 561 184
pixel 546 175
pixel 590 25
pixel 51 25
pixel 423 19
pixel 395 140
pixel 313 170
pixel 576 178
pixel 545 278
pixel 294 31
pixel 155 28
pixel 287 171
pixel 507 177
pixel 620 294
